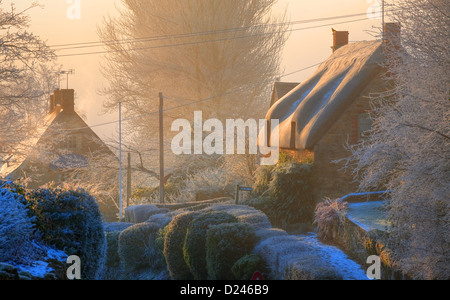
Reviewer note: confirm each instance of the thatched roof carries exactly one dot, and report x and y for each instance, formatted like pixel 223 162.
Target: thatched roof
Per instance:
pixel 317 103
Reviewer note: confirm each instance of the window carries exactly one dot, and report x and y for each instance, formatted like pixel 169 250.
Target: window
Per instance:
pixel 72 142
pixel 364 126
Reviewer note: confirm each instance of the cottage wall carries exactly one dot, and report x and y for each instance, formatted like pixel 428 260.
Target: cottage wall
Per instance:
pixel 329 178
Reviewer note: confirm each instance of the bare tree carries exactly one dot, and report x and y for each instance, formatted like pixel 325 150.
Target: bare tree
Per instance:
pixel 409 150
pixel 25 79
pixel 192 50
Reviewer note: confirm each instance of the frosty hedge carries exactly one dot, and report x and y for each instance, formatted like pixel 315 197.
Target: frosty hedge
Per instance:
pixel 173 246
pixel 71 221
pixel 225 245
pixel 195 243
pixel 273 194
pixel 137 247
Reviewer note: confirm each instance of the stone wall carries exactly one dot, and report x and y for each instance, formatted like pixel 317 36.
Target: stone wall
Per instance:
pixel 330 180
pixel 360 244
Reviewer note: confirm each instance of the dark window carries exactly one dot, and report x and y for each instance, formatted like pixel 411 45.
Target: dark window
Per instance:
pixel 72 142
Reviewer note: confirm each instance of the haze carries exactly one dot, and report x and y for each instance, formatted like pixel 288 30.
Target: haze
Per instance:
pixel 304 48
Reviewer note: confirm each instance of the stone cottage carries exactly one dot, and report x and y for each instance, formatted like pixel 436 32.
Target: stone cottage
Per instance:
pixel 331 109
pixel 62 144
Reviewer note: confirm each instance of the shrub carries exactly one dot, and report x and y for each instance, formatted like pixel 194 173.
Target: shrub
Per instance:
pixel 173 246
pixel 112 249
pixel 16 229
pixel 285 194
pixel 71 221
pixel 329 214
pixel 207 184
pixel 248 265
pixel 225 245
pixel 195 243
pixel 137 247
pixel 263 177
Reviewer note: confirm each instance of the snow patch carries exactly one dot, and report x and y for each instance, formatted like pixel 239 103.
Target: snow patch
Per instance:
pixel 348 268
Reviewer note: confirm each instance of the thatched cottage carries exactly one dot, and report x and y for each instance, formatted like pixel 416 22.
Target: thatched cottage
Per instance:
pixel 331 109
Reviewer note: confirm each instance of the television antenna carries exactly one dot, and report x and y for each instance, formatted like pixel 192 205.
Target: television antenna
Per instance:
pixel 67 73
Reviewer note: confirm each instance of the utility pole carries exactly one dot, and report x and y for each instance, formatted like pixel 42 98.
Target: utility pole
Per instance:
pixel 120 161
pixel 161 148
pixel 383 21
pixel 129 180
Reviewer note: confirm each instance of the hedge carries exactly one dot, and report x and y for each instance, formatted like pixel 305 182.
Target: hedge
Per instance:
pixel 225 245
pixel 195 243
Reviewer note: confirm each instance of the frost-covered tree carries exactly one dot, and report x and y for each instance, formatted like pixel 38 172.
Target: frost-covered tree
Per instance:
pixel 25 79
pixel 192 50
pixel 409 150
pixel 16 228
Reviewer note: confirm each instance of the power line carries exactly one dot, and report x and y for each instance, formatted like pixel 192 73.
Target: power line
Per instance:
pixel 192 102
pixel 194 34
pixel 174 107
pixel 209 41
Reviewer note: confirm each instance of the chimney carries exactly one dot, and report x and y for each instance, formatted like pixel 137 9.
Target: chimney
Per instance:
pixel 63 99
pixel 391 33
pixel 340 38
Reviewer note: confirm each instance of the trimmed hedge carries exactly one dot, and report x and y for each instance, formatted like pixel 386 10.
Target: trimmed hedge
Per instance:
pixel 71 221
pixel 112 249
pixel 225 245
pixel 173 246
pixel 248 265
pixel 195 243
pixel 137 247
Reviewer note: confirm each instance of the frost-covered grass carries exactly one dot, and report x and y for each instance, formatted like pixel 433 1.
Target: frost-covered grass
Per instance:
pixel 348 268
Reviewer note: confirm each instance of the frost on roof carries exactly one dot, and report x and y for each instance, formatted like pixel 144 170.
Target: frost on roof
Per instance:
pixel 316 104
pixel 26 146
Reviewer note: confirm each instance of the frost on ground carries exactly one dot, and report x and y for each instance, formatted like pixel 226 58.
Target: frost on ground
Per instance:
pixel 349 269
pixel 40 268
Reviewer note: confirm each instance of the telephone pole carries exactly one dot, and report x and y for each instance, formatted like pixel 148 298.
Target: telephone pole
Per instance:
pixel 129 180
pixel 382 20
pixel 120 161
pixel 161 148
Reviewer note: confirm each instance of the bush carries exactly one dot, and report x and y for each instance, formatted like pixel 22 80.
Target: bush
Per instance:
pixel 71 221
pixel 112 249
pixel 16 229
pixel 248 265
pixel 195 243
pixel 137 247
pixel 285 194
pixel 173 246
pixel 329 214
pixel 207 184
pixel 225 245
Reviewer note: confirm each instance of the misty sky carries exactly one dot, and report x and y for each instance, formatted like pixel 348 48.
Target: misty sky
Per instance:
pixel 304 48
